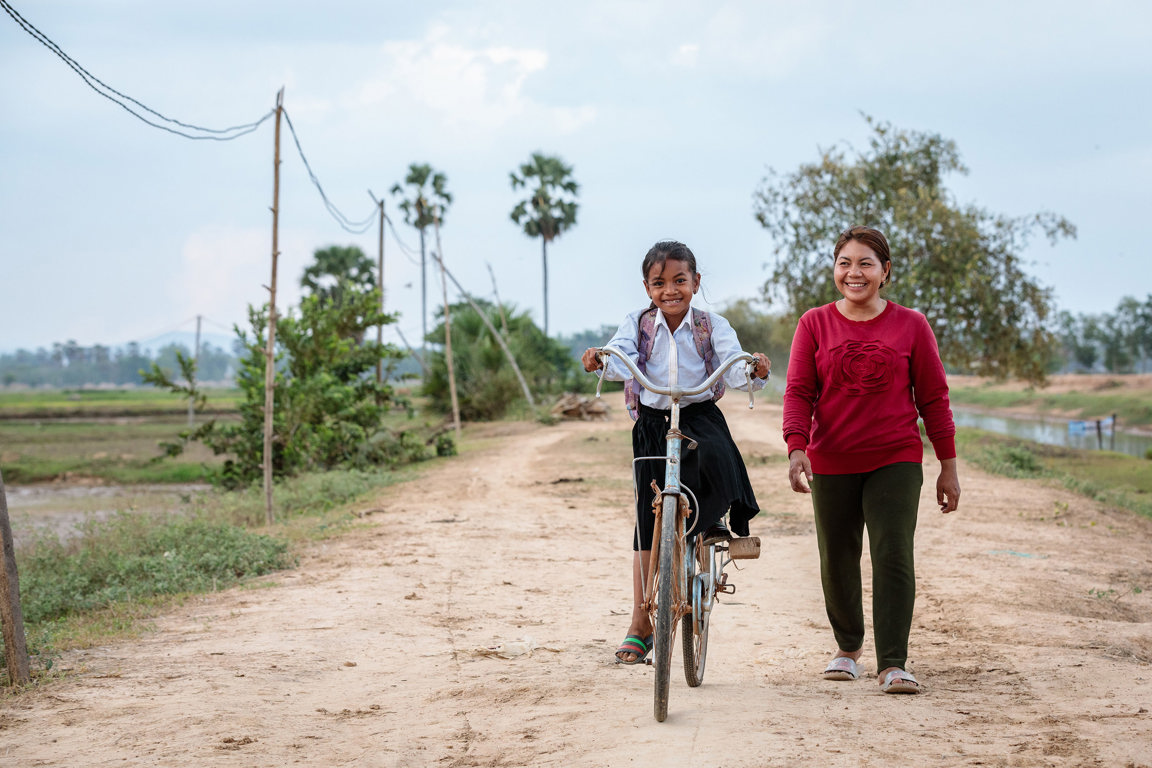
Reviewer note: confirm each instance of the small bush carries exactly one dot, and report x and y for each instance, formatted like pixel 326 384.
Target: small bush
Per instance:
pixel 1010 460
pixel 131 557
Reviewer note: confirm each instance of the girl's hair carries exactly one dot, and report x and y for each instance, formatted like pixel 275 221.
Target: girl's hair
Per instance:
pixel 665 250
pixel 873 238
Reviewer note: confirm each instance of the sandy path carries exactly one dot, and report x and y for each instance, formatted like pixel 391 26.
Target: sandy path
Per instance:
pixel 377 651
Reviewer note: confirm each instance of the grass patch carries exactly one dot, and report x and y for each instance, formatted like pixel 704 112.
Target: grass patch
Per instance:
pixel 106 583
pixel 1115 479
pixel 74 403
pixel 121 450
pixel 130 557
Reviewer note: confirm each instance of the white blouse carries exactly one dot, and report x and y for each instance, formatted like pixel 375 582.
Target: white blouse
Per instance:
pixel 691 364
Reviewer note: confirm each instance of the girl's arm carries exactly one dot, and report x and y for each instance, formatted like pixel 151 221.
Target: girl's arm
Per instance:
pixel 625 339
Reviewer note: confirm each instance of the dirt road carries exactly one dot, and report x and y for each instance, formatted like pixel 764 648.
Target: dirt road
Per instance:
pixel 471 622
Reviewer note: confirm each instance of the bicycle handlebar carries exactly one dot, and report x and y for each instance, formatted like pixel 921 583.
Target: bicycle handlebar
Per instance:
pixel 676 393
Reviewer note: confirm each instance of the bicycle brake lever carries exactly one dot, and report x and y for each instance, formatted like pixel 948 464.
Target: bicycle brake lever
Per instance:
pixel 603 356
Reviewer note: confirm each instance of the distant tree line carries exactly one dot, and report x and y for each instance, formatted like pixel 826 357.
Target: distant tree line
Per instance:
pixel 1117 342
pixel 72 365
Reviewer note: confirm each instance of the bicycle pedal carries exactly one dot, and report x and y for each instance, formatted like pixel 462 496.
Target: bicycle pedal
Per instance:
pixel 744 548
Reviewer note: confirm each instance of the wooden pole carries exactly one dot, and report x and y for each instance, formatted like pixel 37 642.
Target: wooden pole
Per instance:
pixel 270 348
pixel 447 333
pixel 191 385
pixel 11 616
pixel 544 256
pixel 499 338
pixel 499 304
pixel 380 289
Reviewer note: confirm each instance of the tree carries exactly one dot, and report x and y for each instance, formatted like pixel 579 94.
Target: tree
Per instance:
pixel 760 331
pixel 551 212
pixel 421 209
pixel 337 275
pixel 486 383
pixel 1080 336
pixel 958 264
pixel 328 411
pixel 336 270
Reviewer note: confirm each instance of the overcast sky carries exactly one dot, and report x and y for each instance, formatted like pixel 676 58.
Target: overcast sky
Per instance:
pixel 670 113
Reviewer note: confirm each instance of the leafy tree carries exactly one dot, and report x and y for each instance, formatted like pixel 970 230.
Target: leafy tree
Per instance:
pixel 958 264
pixel 1134 330
pixel 338 274
pixel 422 208
pixel 486 384
pixel 761 331
pixel 1080 336
pixel 336 270
pixel 547 212
pixel 328 411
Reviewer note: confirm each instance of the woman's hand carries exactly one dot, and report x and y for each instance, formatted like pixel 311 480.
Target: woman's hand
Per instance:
pixel 799 471
pixel 591 359
pixel 948 486
pixel 763 365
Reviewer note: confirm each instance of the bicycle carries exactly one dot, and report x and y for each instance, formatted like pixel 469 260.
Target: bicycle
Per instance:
pixel 679 589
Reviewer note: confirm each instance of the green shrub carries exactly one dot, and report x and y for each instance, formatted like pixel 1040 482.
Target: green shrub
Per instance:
pixel 131 557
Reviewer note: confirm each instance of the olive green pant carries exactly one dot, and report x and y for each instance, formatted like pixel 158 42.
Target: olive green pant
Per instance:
pixel 885 501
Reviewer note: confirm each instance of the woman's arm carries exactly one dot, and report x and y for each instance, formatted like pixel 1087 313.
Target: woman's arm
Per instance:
pixel 948 486
pixel 801 391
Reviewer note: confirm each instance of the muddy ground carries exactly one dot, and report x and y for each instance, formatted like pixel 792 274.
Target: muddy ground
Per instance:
pixel 470 621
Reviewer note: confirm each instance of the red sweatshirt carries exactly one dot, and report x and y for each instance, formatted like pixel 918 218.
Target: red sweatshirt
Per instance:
pixel 855 390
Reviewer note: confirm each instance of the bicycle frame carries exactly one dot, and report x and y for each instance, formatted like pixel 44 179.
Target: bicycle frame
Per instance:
pixel 675 437
pixel 666 594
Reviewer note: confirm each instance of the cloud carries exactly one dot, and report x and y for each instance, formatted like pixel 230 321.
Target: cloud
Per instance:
pixel 464 87
pixel 223 270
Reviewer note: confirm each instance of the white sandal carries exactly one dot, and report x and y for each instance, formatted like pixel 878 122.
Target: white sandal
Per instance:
pixel 899 681
pixel 841 668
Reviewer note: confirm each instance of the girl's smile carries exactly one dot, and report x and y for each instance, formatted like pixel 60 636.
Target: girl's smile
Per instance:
pixel 670 286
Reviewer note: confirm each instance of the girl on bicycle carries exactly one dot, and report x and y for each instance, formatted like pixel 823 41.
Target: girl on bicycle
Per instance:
pixel 714 471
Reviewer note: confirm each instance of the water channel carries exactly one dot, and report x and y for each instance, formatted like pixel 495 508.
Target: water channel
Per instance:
pixel 1074 434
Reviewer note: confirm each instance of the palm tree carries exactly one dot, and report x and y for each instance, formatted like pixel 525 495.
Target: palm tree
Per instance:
pixel 421 209
pixel 551 213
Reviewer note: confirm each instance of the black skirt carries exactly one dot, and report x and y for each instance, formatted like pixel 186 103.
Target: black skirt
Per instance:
pixel 713 471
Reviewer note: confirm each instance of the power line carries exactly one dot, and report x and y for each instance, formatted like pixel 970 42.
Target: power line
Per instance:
pixel 355 227
pixel 410 253
pixel 110 93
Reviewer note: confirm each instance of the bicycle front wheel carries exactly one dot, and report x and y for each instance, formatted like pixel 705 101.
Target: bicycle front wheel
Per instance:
pixel 667 575
pixel 699 575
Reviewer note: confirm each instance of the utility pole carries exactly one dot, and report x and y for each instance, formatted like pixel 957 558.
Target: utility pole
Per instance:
pixel 196 364
pixel 270 348
pixel 380 287
pixel 11 615
pixel 447 332
pixel 423 297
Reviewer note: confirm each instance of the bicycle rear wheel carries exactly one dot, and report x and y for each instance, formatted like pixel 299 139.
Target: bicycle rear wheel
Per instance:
pixel 667 575
pixel 699 574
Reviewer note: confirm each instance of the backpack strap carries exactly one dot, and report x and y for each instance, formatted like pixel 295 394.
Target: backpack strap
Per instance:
pixel 702 335
pixel 644 340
